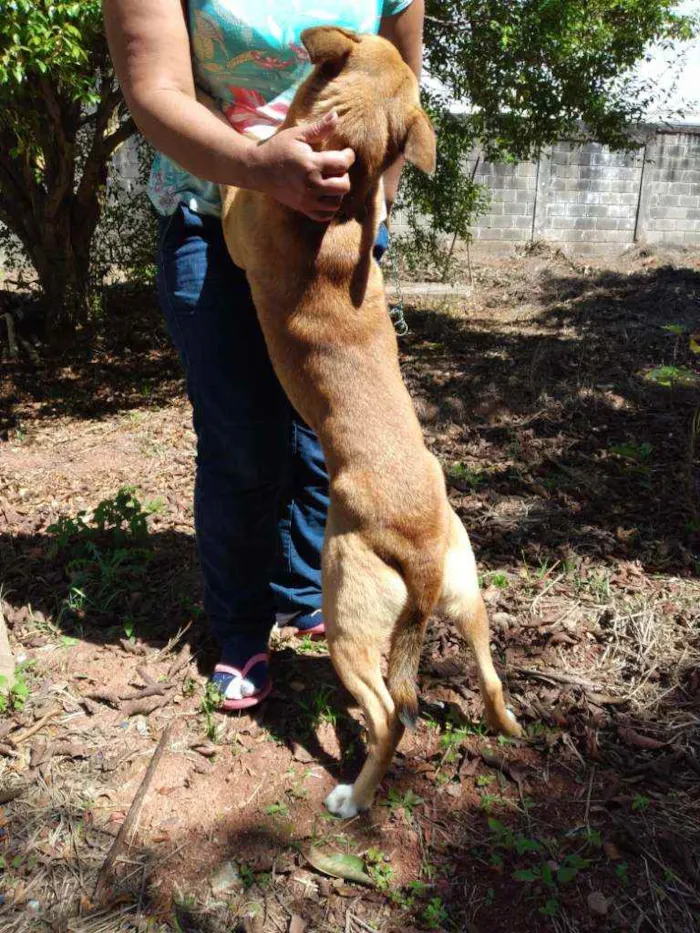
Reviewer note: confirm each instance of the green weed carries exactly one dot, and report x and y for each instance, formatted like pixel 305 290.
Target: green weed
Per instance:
pixel 671 376
pixel 547 867
pixel 637 453
pixel 278 808
pixel 408 801
pixel 106 553
pixel 14 698
pixel 640 803
pixel 379 869
pixel 466 476
pixel 313 646
pixel 498 579
pixel 317 708
pixel 435 916
pixel 211 701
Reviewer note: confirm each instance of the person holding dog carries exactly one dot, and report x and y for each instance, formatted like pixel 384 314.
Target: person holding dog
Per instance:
pixel 261 488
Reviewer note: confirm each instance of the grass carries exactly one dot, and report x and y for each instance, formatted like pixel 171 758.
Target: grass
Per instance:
pixel 317 708
pixel 210 703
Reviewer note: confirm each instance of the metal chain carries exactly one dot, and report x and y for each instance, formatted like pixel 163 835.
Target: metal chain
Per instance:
pixel 396 311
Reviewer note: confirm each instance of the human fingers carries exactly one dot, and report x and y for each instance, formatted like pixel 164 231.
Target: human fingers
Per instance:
pixel 335 186
pixel 334 162
pixel 319 130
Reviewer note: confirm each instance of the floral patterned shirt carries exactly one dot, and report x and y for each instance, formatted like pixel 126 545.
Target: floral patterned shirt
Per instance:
pixel 248 55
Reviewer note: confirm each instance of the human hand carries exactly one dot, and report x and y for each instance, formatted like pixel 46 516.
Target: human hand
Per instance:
pixel 288 169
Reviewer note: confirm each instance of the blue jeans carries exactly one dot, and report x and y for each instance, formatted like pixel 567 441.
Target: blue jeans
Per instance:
pixel 261 488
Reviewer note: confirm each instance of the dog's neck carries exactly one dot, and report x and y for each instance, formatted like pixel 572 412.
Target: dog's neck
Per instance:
pixel 361 128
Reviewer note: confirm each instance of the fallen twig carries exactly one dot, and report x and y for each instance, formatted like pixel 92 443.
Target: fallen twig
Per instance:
pixel 144 705
pixel 104 696
pixel 133 813
pixel 182 660
pixel 152 690
pixel 14 741
pixel 131 648
pixel 558 678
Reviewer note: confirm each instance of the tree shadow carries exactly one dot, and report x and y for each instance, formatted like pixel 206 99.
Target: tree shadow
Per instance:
pixel 575 446
pixel 467 841
pixel 123 361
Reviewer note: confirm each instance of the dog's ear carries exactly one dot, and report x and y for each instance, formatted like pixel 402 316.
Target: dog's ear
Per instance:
pixel 419 148
pixel 328 43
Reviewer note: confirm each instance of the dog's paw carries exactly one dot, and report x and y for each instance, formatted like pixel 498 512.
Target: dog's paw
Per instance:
pixel 514 728
pixel 340 802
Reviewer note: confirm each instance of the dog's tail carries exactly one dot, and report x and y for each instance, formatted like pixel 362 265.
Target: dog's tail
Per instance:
pixel 423 580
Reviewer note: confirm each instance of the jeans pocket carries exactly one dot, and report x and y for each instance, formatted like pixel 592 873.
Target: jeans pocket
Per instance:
pixel 181 264
pixel 166 222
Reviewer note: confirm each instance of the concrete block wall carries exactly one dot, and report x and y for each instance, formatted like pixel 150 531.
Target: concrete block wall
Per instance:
pixel 590 199
pixel 670 195
pixel 582 197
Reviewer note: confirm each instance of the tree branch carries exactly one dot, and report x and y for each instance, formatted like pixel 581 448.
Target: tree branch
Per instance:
pixel 120 135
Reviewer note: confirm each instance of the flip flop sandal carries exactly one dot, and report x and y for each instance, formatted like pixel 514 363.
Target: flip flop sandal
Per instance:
pixel 234 673
pixel 308 627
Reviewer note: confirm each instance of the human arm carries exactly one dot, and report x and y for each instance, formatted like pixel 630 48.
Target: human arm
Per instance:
pixel 149 45
pixel 405 31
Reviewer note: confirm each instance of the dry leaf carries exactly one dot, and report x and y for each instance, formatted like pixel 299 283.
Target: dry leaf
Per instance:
pixel 611 851
pixel 597 903
pixel 339 865
pixel 641 741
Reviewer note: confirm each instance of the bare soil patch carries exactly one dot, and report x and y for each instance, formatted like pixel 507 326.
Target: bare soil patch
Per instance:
pixel 563 401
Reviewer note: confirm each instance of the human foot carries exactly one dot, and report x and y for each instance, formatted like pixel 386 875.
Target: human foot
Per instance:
pixel 305 623
pixel 243 687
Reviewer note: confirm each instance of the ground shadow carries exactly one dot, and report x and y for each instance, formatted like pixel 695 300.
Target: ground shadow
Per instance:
pixel 124 360
pixel 493 837
pixel 563 418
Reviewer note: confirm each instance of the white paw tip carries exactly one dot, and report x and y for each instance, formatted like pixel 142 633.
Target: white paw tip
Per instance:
pixel 340 802
pixel 511 714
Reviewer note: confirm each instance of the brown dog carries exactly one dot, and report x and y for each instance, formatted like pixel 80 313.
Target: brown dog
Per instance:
pixel 394 550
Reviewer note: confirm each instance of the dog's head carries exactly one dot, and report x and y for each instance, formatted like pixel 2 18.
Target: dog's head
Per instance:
pixel 375 94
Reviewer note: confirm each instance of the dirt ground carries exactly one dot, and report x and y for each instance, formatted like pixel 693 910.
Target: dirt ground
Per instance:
pixel 563 399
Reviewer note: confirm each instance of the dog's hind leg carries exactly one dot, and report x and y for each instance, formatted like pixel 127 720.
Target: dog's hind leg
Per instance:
pixel 362 600
pixel 361 673
pixel 462 603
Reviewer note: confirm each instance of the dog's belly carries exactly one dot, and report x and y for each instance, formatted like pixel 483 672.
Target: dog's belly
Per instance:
pixel 382 477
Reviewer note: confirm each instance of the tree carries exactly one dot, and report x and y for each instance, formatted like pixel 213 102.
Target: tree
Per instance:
pixel 61 118
pixel 527 73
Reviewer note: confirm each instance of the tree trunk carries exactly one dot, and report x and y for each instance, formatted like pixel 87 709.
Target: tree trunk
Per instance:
pixel 54 214
pixel 66 287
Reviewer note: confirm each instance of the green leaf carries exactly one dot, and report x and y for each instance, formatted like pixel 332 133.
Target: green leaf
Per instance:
pixel 669 376
pixel 523 845
pixel 551 907
pixel 339 865
pixel 525 874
